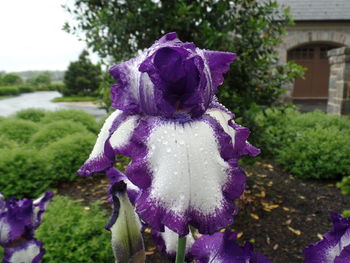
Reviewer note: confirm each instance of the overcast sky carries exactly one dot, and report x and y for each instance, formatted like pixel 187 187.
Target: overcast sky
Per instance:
pixel 31 36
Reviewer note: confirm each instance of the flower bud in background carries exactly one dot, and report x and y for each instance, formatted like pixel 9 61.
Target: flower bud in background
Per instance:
pixel 335 246
pixel 125 226
pixel 18 221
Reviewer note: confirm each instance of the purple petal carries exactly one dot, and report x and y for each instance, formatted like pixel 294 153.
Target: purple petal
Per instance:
pixel 238 133
pixel 222 248
pixel 25 252
pixel 40 205
pixel 178 185
pixel 114 135
pixel 344 256
pixel 168 77
pixel 219 63
pixel 334 242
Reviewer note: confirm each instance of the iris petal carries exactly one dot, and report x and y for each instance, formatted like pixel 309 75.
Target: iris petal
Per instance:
pixel 113 137
pixel 184 178
pixel 222 248
pixel 331 247
pixel 26 252
pixel 167 242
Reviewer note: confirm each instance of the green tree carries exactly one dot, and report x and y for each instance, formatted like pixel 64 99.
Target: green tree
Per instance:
pixel 11 79
pixel 82 77
pixel 118 29
pixel 41 80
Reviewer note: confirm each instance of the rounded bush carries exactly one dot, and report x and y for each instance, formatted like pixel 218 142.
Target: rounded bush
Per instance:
pixel 31 114
pixel 55 131
pixel 6 143
pixel 18 130
pixel 23 173
pixel 71 233
pixel 80 116
pixel 25 89
pixel 9 90
pixel 317 153
pixel 67 155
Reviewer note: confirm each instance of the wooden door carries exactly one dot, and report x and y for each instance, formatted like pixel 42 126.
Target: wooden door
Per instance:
pixel 314 85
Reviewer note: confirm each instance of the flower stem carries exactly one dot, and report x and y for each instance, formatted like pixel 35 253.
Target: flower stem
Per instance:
pixel 181 247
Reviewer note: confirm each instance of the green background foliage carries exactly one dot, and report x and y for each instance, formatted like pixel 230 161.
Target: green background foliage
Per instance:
pixel 71 233
pixel 309 145
pixel 82 77
pixel 37 155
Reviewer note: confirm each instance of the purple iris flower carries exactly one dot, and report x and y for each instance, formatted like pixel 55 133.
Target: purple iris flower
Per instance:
pixel 335 247
pixel 18 221
pixel 222 248
pixel 183 144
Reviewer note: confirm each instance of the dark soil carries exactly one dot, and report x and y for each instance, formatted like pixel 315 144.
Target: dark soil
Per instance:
pixel 279 214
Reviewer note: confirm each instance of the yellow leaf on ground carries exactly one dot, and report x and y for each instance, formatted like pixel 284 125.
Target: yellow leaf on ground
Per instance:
pixel 255 216
pixel 295 231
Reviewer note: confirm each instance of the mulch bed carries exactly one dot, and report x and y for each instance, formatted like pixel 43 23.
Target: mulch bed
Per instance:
pixel 279 213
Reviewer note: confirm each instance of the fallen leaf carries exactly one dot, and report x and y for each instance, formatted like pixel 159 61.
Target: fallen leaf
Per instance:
pixel 319 236
pixel 255 216
pixel 295 231
pixel 289 221
pixel 275 247
pixel 240 234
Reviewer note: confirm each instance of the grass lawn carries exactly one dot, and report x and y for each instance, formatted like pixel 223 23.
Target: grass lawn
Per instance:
pixel 73 99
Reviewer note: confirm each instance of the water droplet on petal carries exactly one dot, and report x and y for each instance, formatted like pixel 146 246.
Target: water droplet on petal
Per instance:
pixel 168 150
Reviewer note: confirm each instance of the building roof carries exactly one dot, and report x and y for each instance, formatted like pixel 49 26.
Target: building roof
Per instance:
pixel 318 10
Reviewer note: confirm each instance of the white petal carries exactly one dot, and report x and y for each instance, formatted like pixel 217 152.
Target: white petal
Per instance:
pixel 103 135
pixel 171 241
pixel 26 254
pixel 187 168
pixel 223 118
pixel 123 134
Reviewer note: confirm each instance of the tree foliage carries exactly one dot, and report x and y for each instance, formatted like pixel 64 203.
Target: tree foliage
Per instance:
pixel 117 29
pixel 41 80
pixel 10 79
pixel 82 77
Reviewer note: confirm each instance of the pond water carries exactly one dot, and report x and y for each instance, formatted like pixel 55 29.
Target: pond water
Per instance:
pixel 42 99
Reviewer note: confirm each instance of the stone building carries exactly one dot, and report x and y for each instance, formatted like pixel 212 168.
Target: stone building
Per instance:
pixel 320 26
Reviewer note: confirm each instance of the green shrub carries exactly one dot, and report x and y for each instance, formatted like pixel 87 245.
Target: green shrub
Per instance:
pixel 9 90
pixel 67 155
pixel 309 145
pixel 80 116
pixel 6 143
pixel 344 185
pixel 56 86
pixel 317 153
pixel 25 89
pixel 55 131
pixel 23 173
pixel 32 114
pixel 71 233
pixel 18 130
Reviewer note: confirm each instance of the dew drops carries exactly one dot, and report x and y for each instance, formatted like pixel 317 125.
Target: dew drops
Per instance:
pixel 181 142
pixel 165 142
pixel 168 150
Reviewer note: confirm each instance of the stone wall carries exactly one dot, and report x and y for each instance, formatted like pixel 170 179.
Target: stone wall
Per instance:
pixel 339 81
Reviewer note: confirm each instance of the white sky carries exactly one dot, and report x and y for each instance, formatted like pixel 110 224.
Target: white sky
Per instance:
pixel 31 36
